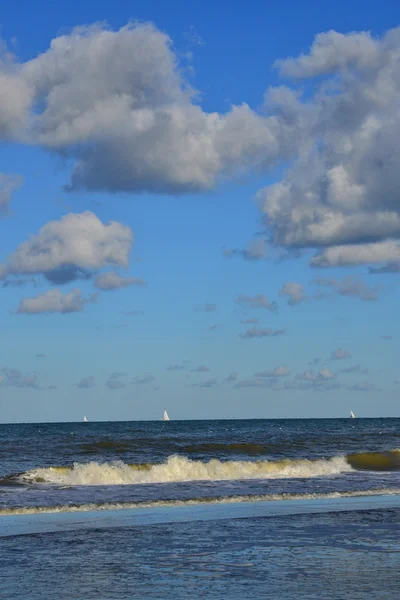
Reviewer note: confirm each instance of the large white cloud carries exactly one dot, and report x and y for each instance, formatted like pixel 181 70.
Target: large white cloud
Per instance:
pixel 116 104
pixel 342 194
pixel 66 249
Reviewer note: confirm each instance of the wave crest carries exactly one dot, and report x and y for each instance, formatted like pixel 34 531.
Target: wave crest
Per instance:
pixel 106 506
pixel 178 468
pixel 375 461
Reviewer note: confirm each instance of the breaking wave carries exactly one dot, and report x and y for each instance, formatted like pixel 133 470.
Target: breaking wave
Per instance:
pixel 71 508
pixel 178 468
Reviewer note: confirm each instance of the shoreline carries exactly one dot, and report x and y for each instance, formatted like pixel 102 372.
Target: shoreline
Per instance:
pixel 26 524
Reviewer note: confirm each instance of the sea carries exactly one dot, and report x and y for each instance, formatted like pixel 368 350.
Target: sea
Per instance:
pixel 302 508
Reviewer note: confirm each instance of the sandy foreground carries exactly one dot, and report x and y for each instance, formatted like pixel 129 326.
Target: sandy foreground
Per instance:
pixel 65 521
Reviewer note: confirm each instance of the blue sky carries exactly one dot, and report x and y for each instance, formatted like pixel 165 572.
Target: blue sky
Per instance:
pixel 269 176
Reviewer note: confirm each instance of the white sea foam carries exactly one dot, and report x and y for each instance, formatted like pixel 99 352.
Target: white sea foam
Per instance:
pixel 193 502
pixel 178 468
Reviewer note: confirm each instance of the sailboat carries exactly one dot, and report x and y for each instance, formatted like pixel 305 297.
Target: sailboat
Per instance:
pixel 352 415
pixel 165 416
pixel 85 420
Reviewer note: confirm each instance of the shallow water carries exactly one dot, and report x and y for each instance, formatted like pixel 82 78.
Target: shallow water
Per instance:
pixel 333 555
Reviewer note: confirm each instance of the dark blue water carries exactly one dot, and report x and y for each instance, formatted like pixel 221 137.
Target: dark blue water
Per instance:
pixel 77 464
pixel 57 469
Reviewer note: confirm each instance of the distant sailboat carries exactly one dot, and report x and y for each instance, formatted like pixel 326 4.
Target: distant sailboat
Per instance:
pixel 352 415
pixel 85 420
pixel 165 416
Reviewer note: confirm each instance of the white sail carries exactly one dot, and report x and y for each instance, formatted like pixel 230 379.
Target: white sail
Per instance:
pixel 85 420
pixel 352 415
pixel 165 416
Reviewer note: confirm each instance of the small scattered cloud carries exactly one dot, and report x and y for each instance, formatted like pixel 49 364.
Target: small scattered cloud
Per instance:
pixel 54 301
pixel 133 313
pixel 323 375
pixel 40 356
pixel 231 378
pixel 316 385
pixel 206 308
pixel 255 332
pixel 200 369
pixel 256 250
pixel 181 367
pixel 294 292
pixel 215 326
pixel 280 371
pixel 116 375
pixel 114 380
pixel 250 321
pixel 113 281
pixel 354 369
pixel 306 376
pixel 207 384
pixel 87 382
pixel 386 337
pixel 15 378
pixel 315 361
pixel 115 384
pixel 255 382
pixel 363 386
pixel 258 301
pixel 143 380
pixel 350 286
pixel 340 354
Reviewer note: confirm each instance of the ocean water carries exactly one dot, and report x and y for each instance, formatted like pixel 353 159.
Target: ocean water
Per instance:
pixel 180 465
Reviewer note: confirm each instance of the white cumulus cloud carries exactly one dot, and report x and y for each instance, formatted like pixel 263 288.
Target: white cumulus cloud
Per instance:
pixel 341 195
pixel 62 250
pixel 54 301
pixel 113 281
pixel 117 105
